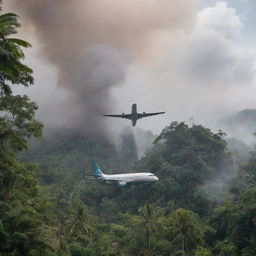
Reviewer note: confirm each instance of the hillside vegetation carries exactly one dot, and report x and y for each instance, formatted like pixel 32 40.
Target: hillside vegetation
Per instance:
pixel 202 205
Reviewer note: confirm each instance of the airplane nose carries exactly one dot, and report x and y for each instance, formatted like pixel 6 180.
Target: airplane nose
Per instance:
pixel 156 179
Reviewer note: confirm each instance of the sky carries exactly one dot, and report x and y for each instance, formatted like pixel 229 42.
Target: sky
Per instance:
pixel 194 59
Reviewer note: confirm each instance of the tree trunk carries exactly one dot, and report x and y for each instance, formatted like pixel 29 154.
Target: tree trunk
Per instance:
pixel 183 245
pixel 149 240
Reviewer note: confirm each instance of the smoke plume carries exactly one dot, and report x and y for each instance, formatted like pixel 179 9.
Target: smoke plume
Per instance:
pixel 92 43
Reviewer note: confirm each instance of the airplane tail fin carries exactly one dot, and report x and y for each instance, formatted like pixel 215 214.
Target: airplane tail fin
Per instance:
pixel 96 170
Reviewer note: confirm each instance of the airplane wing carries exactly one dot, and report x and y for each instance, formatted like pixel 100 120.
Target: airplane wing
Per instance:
pixel 141 115
pixel 127 116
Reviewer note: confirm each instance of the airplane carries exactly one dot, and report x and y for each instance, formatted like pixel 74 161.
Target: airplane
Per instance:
pixel 134 116
pixel 122 179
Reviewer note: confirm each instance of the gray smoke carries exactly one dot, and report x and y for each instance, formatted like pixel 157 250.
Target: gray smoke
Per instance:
pixel 164 55
pixel 91 43
pixel 144 141
pixel 87 71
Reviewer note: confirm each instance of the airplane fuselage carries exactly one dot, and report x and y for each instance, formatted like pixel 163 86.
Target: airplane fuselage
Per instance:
pixel 134 114
pixel 123 179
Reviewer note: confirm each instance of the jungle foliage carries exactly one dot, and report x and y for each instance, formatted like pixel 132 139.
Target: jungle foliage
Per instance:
pixel 203 204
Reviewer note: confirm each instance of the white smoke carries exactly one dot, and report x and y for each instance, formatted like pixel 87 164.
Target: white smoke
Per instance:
pixel 205 73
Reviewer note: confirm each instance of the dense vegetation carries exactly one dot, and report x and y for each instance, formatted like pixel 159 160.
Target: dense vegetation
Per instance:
pixel 203 205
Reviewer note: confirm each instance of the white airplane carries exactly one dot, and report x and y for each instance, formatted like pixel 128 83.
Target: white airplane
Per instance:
pixel 122 179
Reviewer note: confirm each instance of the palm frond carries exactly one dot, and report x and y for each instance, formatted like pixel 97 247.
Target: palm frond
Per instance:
pixel 18 42
pixel 9 18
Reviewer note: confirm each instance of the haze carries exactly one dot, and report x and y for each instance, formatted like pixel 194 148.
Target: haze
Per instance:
pixel 194 59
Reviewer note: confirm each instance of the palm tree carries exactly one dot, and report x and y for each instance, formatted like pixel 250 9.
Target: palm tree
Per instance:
pixel 63 245
pixel 11 67
pixel 21 225
pixel 18 121
pixel 79 221
pixel 184 226
pixel 148 220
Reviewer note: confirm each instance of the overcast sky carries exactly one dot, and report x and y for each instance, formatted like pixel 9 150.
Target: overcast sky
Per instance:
pixel 193 59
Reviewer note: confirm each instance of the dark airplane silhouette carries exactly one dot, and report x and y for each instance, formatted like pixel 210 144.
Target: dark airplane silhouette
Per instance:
pixel 134 116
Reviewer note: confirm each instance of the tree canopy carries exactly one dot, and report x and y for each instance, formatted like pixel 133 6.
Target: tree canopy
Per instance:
pixel 202 205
